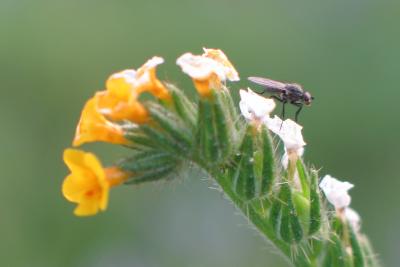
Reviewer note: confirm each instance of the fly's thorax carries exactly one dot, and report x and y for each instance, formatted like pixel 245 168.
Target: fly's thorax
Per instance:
pixel 294 92
pixel 294 87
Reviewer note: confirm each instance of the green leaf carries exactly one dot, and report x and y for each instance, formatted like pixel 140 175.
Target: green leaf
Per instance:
pixel 223 126
pixel 231 109
pixel 315 204
pixel 163 141
pixel 149 165
pixel 284 225
pixel 290 227
pixel 295 224
pixel 268 169
pixel 285 228
pixel 336 254
pixel 358 258
pixel 153 174
pixel 245 185
pixel 206 134
pixel 171 124
pixel 337 226
pixel 139 139
pixel 304 180
pixel 302 206
pixel 147 159
pixel 183 106
pixel 275 213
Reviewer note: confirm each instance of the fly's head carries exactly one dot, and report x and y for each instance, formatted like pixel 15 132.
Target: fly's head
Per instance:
pixel 307 98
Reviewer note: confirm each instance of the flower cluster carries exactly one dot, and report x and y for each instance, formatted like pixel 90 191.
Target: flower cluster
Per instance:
pixel 167 133
pixel 108 113
pixel 118 103
pixel 257 109
pixel 105 114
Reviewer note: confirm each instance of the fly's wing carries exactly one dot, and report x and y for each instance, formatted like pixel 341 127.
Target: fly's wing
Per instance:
pixel 270 85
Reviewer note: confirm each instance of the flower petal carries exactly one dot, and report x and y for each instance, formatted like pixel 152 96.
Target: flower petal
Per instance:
pixel 78 160
pixel 87 208
pixel 336 191
pixel 288 130
pixel 88 184
pixel 219 56
pixel 118 109
pixel 93 127
pixel 199 67
pixel 251 103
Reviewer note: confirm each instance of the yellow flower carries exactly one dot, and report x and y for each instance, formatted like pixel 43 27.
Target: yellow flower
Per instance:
pixel 93 126
pixel 89 183
pixel 208 71
pixel 142 80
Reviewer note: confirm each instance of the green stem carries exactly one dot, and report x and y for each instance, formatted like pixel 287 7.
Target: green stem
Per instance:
pixel 259 222
pixel 252 215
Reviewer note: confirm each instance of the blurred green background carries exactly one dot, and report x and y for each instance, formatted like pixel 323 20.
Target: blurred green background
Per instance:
pixel 55 54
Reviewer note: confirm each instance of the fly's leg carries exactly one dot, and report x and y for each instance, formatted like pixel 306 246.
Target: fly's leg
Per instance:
pixel 283 101
pixel 283 110
pixel 263 91
pixel 300 106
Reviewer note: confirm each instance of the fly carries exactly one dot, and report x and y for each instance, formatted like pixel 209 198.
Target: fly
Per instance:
pixel 285 93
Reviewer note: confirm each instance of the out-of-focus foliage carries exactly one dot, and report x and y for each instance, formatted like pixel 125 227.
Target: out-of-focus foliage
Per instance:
pixel 55 54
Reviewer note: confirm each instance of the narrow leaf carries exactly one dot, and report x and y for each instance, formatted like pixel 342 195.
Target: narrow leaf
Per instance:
pixel 304 180
pixel 358 258
pixel 315 204
pixel 246 182
pixel 183 106
pixel 152 175
pixel 163 141
pixel 285 228
pixel 147 159
pixel 275 214
pixel 223 126
pixel 171 123
pixel 268 169
pixel 206 133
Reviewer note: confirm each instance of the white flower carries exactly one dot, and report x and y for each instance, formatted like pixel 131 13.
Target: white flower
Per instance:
pixel 353 218
pixel 153 62
pixel 254 106
pixel 142 76
pixel 219 56
pixel 200 67
pixel 290 133
pixel 208 71
pixel 336 191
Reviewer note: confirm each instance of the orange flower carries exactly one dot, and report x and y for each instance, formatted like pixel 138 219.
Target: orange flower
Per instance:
pixel 121 106
pixel 93 126
pixel 142 80
pixel 120 100
pixel 208 71
pixel 89 183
